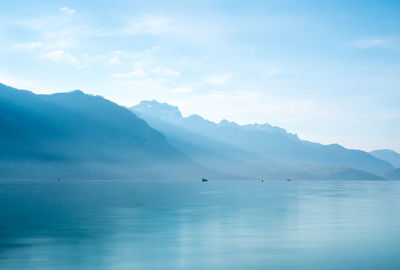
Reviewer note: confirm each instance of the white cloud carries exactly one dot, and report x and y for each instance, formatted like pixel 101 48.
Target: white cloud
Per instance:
pixel 131 74
pixel 62 56
pixel 29 46
pixel 54 32
pixel 113 60
pixel 149 24
pixel 144 87
pixel 182 90
pixel 166 72
pixel 173 73
pixel 218 78
pixel 273 72
pixel 182 28
pixel 371 43
pixel 67 10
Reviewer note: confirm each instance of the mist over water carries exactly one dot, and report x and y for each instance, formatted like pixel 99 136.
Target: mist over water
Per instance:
pixel 194 225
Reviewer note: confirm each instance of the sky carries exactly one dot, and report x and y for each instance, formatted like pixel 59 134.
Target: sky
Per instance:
pixel 328 71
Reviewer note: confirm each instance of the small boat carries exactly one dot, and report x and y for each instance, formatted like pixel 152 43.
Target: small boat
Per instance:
pixel 288 179
pixel 204 180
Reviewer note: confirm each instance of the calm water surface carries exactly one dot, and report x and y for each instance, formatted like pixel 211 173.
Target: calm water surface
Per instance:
pixel 192 225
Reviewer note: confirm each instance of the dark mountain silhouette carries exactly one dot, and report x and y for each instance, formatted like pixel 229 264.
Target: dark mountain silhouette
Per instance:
pixel 388 155
pixel 74 135
pixel 257 149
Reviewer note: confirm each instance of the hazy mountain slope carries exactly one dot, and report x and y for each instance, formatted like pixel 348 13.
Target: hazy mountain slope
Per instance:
pixel 74 135
pixel 272 148
pixel 388 155
pixel 394 175
pixel 207 151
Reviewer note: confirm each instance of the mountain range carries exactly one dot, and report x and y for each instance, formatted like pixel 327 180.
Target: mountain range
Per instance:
pixel 74 135
pixel 389 155
pixel 393 158
pixel 78 136
pixel 257 149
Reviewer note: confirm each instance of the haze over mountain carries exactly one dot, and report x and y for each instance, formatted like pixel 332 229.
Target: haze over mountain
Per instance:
pixel 74 135
pixel 394 175
pixel 257 149
pixel 389 155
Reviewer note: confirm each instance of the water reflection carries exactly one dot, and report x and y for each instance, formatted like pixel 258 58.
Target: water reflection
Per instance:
pixel 190 225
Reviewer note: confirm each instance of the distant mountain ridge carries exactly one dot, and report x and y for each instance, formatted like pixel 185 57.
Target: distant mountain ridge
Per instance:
pixel 75 135
pixel 393 175
pixel 387 155
pixel 259 149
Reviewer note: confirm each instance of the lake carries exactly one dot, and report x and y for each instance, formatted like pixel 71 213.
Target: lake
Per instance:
pixel 193 225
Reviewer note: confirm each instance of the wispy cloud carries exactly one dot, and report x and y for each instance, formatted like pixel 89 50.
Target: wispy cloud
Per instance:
pixel 272 72
pixel 218 78
pixel 56 38
pixel 148 24
pixel 187 29
pixel 62 56
pixel 67 10
pixel 166 72
pixel 56 31
pixel 182 90
pixel 29 46
pixel 369 43
pixel 131 74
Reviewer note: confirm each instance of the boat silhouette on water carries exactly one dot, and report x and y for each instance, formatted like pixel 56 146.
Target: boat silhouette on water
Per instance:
pixel 204 179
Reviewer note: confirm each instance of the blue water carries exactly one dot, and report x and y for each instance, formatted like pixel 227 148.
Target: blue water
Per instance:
pixel 193 225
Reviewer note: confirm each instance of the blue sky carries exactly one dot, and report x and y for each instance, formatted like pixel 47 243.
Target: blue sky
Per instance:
pixel 326 70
